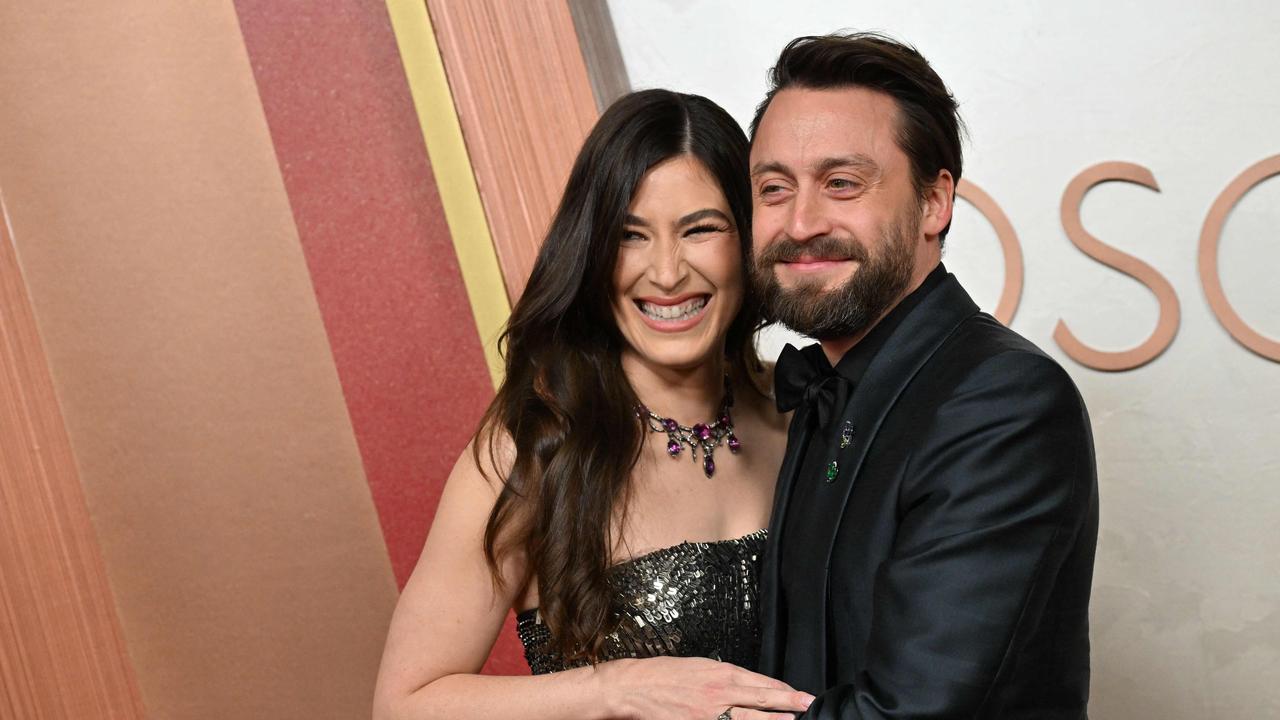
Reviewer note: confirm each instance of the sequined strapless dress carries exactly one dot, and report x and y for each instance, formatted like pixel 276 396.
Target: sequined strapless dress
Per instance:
pixel 689 600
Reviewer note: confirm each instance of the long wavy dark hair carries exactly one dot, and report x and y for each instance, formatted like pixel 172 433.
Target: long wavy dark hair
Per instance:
pixel 565 403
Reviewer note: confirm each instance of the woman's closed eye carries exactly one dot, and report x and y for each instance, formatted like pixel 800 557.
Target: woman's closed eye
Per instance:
pixel 706 229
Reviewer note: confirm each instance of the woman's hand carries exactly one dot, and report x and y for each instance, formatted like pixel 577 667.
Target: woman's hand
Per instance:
pixel 670 688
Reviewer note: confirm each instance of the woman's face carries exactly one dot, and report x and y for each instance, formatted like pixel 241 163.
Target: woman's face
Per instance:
pixel 678 283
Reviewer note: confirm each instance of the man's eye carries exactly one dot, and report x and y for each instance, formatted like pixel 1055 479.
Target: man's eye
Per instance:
pixel 842 184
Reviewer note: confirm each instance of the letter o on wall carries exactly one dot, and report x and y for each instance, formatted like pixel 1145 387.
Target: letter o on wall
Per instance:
pixel 1012 292
pixel 1211 281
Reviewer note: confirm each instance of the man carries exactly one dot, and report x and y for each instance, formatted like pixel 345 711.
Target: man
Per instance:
pixel 934 528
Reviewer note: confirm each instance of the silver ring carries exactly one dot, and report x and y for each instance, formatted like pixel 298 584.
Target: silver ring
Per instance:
pixel 726 715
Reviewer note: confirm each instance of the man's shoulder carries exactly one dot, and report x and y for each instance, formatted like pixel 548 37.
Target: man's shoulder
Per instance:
pixel 984 353
pixel 982 336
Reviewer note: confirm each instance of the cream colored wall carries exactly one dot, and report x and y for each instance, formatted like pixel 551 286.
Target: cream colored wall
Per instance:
pixel 1186 611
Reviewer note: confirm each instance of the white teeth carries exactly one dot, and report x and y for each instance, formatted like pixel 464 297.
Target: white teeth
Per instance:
pixel 683 311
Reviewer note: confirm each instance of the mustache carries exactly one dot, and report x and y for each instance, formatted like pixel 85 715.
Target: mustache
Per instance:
pixel 823 247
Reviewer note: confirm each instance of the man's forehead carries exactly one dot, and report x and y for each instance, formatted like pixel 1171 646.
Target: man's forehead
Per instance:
pixel 803 127
pixel 853 101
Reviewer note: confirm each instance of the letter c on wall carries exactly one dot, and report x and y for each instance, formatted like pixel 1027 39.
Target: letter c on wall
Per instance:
pixel 1170 313
pixel 1209 277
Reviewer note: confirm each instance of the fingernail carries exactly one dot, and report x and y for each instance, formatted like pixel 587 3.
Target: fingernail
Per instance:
pixel 808 699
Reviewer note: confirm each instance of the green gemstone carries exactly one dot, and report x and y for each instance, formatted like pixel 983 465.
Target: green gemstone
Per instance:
pixel 832 470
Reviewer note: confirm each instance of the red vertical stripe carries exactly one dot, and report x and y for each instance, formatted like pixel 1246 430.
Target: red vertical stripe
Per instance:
pixel 373 231
pixel 381 259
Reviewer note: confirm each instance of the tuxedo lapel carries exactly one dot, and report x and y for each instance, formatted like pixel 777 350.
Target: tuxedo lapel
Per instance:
pixel 912 344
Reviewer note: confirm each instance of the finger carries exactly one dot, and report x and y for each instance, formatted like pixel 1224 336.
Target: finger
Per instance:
pixel 767 698
pixel 742 676
pixel 740 713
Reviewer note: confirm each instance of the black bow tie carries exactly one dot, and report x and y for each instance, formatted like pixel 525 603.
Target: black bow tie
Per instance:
pixel 804 377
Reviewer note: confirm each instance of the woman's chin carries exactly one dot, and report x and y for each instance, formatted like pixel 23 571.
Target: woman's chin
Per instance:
pixel 675 359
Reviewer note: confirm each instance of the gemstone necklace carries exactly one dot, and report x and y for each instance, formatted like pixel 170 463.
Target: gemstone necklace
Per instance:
pixel 702 436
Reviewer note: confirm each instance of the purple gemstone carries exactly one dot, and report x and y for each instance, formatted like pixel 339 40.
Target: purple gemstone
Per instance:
pixel 670 425
pixel 702 432
pixel 673 448
pixel 708 466
pixel 641 411
pixel 735 445
pixel 724 420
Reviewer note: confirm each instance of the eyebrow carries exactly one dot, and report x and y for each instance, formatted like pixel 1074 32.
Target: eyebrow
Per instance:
pixel 702 214
pixel 761 168
pixel 692 217
pixel 857 160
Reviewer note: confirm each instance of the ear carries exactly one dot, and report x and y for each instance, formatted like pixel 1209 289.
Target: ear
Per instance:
pixel 938 202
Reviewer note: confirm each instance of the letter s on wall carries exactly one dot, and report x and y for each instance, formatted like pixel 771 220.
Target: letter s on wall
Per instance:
pixel 1170 312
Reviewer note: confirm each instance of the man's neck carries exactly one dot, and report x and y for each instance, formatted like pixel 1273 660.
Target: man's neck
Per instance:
pixel 838 347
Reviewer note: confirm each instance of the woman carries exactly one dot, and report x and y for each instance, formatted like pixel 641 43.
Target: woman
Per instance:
pixel 628 354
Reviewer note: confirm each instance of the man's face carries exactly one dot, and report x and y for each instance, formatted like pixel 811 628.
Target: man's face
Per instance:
pixel 837 221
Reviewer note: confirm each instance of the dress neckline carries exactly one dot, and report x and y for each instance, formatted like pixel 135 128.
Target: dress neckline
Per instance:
pixel 616 567
pixel 687 543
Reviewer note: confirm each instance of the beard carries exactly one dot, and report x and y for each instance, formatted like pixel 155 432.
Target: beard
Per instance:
pixel 876 286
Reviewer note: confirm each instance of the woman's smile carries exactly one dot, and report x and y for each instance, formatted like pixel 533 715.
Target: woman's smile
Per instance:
pixel 673 314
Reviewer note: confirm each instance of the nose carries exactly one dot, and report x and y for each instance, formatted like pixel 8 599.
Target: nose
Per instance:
pixel 667 266
pixel 808 218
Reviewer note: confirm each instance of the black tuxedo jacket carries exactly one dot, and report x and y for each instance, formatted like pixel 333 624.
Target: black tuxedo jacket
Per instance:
pixel 958 557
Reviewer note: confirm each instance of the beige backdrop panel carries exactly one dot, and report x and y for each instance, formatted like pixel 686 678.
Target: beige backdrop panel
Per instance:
pixel 188 354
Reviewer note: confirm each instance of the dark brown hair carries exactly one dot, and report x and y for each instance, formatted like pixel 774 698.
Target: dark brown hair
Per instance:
pixel 929 125
pixel 564 402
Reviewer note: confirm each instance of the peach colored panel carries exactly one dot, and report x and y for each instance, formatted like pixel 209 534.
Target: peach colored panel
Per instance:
pixel 525 103
pixel 62 656
pixel 189 358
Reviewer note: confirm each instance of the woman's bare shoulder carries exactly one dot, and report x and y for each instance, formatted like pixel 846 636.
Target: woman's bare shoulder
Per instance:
pixel 490 455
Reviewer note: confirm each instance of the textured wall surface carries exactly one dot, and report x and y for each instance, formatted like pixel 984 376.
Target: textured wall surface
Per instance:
pixel 190 360
pixel 62 656
pixel 525 102
pixel 379 253
pixel 238 355
pixel 1186 610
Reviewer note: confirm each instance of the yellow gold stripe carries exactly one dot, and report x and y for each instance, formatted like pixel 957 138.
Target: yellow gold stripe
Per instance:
pixel 454 176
